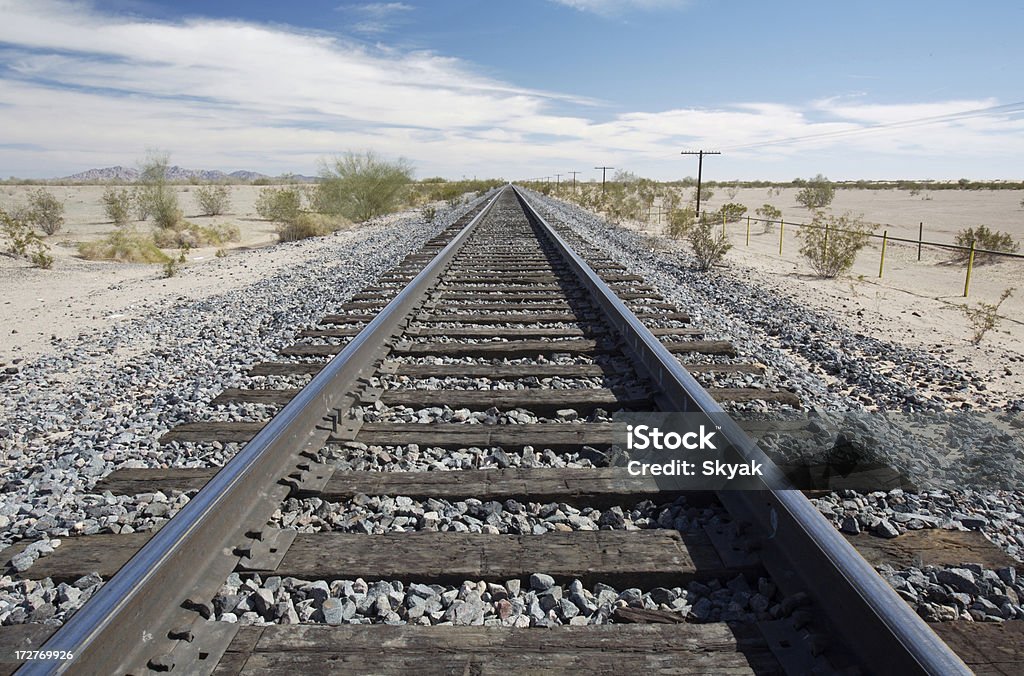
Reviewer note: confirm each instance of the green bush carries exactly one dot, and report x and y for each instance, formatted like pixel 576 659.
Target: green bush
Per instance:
pixel 985 316
pixel 818 193
pixel 361 186
pixel 770 214
pixel 22 240
pixel 154 196
pixel 118 205
pixel 125 245
pixel 708 242
pixel 429 213
pixel 680 221
pixel 731 211
pixel 983 238
pixel 212 200
pixel 279 204
pixel 46 211
pixel 831 244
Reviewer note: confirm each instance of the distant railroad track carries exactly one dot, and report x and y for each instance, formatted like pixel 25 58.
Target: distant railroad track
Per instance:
pixel 504 296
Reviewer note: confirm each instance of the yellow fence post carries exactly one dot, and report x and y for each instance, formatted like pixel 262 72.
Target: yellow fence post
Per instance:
pixel 748 230
pixel 782 230
pixel 970 267
pixel 881 263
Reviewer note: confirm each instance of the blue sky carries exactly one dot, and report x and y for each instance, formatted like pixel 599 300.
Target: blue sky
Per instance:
pixel 531 88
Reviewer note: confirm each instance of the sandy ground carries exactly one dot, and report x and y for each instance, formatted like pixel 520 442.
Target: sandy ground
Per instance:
pixel 914 303
pixel 77 295
pixel 917 304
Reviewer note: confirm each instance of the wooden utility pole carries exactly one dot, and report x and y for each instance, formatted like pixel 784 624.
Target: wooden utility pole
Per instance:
pixel 558 180
pixel 574 181
pixel 604 174
pixel 700 166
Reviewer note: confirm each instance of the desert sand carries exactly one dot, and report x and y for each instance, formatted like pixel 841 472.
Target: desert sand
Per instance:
pixel 914 303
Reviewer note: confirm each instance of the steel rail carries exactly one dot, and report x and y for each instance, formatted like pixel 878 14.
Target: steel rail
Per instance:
pixel 114 631
pixel 803 551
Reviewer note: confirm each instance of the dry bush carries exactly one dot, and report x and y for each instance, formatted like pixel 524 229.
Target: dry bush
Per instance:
pixel 303 226
pixel 831 243
pixel 212 200
pixel 709 244
pixel 192 236
pixel 985 316
pixel 125 245
pixel 117 203
pixel 983 238
pixel 45 211
pixel 770 214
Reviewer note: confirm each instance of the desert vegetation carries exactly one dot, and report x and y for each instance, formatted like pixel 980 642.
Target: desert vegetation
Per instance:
pixel 830 243
pixel 708 242
pixel 361 186
pixel 985 316
pixel 982 237
pixel 212 200
pixel 817 193
pixel 769 215
pixel 22 241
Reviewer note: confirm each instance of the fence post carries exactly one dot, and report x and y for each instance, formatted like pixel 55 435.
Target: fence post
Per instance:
pixel 920 239
pixel 782 230
pixel 970 267
pixel 824 245
pixel 881 263
pixel 748 230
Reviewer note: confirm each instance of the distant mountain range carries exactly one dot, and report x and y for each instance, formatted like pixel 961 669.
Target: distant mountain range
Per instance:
pixel 175 173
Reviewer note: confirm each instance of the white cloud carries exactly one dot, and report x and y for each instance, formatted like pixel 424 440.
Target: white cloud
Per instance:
pixel 81 89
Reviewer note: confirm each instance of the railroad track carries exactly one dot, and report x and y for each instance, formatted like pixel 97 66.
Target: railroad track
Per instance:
pixel 495 353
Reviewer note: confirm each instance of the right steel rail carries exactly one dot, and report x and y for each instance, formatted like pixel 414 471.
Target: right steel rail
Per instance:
pixel 804 551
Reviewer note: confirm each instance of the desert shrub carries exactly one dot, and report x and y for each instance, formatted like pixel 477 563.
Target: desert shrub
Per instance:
pixel 45 211
pixel 817 193
pixel 171 267
pixel 22 240
pixel 680 221
pixel 770 214
pixel 302 226
pixel 41 259
pixel 212 200
pixel 708 242
pixel 125 245
pixel 706 193
pixel 831 243
pixel 117 203
pixel 154 196
pixel 985 316
pixel 429 213
pixel 361 186
pixel 731 211
pixel 279 204
pixel 983 238
pixel 189 235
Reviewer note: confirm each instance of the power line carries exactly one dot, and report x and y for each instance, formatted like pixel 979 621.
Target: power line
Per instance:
pixel 574 180
pixel 921 121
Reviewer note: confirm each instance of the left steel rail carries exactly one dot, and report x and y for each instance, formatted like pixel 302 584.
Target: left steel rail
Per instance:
pixel 127 622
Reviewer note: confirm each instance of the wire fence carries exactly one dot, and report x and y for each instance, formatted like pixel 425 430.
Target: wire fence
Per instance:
pixel 971 250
